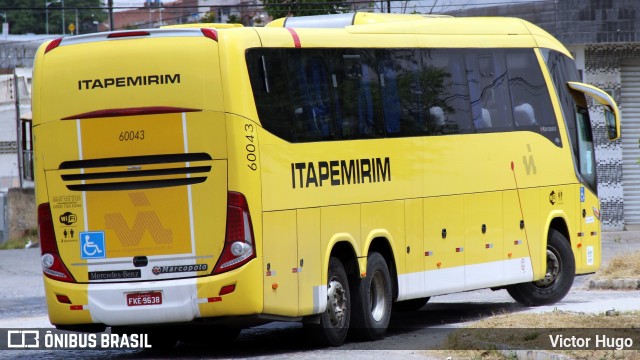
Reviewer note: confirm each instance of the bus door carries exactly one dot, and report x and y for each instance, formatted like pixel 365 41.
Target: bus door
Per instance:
pixel 590 220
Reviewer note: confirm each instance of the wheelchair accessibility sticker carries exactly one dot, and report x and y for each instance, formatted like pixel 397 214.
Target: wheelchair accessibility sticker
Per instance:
pixel 92 245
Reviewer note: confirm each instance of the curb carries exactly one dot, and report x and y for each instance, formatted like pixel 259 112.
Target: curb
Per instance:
pixel 532 355
pixel 614 284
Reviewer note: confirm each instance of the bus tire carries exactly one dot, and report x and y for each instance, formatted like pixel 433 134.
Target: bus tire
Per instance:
pixel 561 269
pixel 372 302
pixel 335 320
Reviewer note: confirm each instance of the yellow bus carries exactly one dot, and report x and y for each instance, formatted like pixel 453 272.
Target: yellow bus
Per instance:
pixel 320 169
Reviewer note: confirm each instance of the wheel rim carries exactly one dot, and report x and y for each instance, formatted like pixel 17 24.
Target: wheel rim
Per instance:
pixel 337 304
pixel 377 293
pixel 553 269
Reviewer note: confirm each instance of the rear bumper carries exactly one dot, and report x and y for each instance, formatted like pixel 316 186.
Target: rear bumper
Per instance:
pixel 183 300
pixel 108 303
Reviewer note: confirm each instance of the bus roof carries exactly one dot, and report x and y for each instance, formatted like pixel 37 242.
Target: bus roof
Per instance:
pixel 366 30
pixel 202 25
pixel 515 32
pixel 342 20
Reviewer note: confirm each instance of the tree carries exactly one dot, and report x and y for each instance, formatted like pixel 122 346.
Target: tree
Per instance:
pixel 282 8
pixel 209 17
pixel 30 16
pixel 234 19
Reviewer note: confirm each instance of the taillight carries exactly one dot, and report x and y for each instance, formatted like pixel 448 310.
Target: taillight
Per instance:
pixel 53 44
pixel 239 244
pixel 210 33
pixel 128 34
pixel 52 265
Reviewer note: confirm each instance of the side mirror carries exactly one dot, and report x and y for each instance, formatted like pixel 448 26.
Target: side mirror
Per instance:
pixel 611 124
pixel 611 112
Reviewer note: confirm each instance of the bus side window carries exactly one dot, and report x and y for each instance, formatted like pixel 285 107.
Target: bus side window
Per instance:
pixel 271 91
pixel 391 96
pixel 402 96
pixel 357 98
pixel 444 90
pixel 312 111
pixel 532 109
pixel 490 104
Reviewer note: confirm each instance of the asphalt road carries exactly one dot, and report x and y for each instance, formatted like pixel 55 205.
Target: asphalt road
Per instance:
pixel 22 305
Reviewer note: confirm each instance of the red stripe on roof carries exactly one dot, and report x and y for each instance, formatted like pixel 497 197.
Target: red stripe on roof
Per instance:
pixel 296 38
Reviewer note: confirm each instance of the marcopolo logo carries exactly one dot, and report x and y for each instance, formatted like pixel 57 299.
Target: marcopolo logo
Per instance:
pixel 157 270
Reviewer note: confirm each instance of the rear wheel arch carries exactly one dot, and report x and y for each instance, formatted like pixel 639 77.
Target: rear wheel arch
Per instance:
pixel 344 251
pixel 382 246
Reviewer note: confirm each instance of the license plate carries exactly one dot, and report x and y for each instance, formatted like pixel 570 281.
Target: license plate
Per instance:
pixel 141 299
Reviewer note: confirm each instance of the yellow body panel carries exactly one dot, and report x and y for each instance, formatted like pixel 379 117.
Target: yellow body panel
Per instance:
pixel 483 239
pixel 280 258
pixel 516 242
pixel 309 260
pixel 414 239
pixel 535 228
pixel 384 220
pixel 340 224
pixel 444 232
pixel 588 244
pixel 59 313
pixel 99 95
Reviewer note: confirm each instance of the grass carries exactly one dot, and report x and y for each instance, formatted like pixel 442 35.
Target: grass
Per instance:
pixel 533 331
pixel 20 242
pixel 621 266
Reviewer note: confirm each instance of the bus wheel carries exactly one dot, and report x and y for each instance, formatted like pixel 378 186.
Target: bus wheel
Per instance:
pixel 372 305
pixel 334 322
pixel 557 282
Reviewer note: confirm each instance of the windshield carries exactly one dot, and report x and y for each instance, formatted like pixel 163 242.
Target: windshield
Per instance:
pixel 574 108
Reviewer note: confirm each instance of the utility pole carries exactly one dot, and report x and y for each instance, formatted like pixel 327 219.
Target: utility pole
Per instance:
pixel 63 29
pixel 110 4
pixel 16 95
